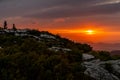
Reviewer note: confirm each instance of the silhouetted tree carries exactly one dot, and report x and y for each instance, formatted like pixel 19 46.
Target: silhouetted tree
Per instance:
pixel 5 24
pixel 14 27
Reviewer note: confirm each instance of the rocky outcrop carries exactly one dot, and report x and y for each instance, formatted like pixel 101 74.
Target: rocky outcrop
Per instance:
pixel 98 70
pixel 88 57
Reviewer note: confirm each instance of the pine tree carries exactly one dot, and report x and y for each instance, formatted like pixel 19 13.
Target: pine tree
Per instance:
pixel 5 24
pixel 14 27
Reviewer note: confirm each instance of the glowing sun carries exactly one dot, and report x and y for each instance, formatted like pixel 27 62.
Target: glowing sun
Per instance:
pixel 90 32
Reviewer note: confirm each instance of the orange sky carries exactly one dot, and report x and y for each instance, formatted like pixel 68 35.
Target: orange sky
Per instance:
pixel 74 31
pixel 81 35
pixel 69 18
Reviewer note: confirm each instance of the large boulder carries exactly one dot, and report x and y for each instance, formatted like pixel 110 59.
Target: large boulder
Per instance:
pixel 97 70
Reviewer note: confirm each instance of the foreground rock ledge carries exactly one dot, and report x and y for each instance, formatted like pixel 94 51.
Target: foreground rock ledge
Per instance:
pixel 96 69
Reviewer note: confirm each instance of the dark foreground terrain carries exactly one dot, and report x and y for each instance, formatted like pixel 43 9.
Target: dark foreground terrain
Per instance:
pixel 35 55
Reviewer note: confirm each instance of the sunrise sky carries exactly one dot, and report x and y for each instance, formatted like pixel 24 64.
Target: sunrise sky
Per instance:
pixel 78 20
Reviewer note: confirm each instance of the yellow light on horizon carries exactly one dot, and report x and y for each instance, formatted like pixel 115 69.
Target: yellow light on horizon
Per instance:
pixel 90 32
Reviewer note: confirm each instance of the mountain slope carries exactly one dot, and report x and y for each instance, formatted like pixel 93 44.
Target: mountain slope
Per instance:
pixel 35 55
pixel 40 55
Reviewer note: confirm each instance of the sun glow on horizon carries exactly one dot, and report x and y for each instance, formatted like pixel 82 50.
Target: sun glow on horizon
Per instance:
pixel 90 32
pixel 78 31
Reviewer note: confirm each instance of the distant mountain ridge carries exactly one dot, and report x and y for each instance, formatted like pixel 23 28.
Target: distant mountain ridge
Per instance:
pixel 115 52
pixel 105 46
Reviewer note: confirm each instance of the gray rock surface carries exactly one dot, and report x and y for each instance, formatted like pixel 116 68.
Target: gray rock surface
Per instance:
pixel 97 70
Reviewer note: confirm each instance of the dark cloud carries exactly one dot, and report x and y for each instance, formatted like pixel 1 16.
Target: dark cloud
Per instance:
pixel 51 8
pixel 77 11
pixel 3 0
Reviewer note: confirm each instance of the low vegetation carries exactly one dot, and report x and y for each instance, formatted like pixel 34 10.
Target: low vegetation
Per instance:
pixel 26 58
pixel 29 58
